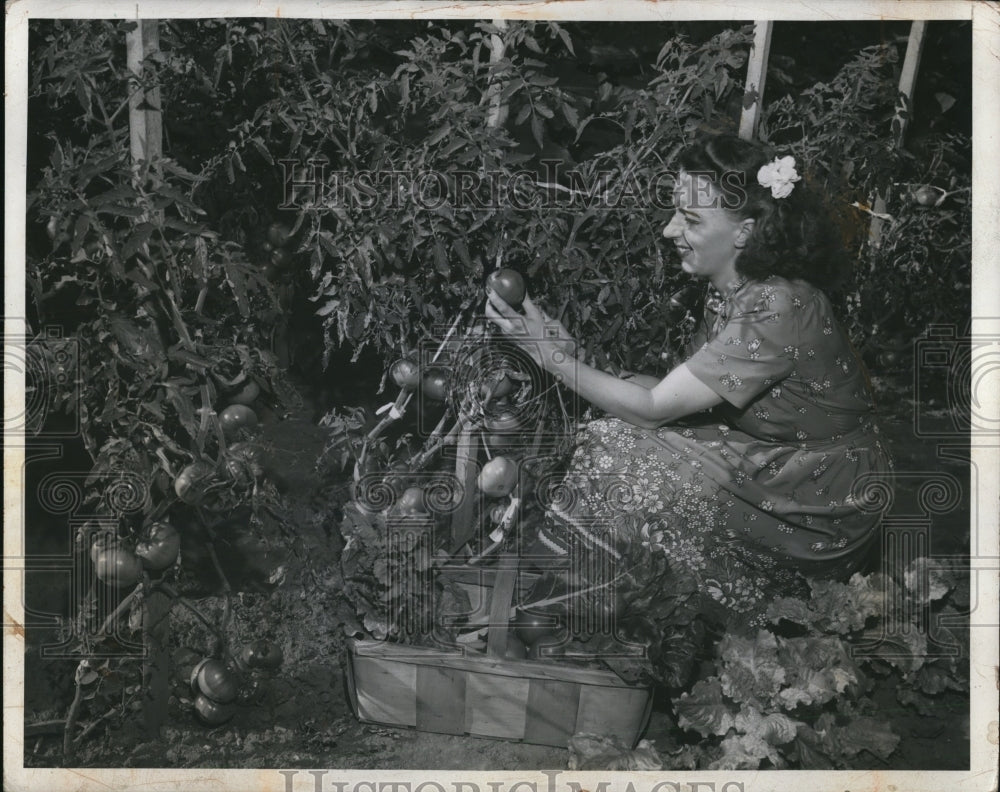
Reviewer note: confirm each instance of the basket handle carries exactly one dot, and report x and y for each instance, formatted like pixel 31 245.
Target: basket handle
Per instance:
pixel 500 606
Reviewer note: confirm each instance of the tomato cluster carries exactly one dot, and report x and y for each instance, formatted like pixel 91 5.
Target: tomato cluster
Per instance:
pixel 276 246
pixel 458 498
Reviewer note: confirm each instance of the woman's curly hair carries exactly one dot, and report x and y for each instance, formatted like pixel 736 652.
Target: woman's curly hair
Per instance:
pixel 793 237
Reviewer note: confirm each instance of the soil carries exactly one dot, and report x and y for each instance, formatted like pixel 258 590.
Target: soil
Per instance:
pixel 285 591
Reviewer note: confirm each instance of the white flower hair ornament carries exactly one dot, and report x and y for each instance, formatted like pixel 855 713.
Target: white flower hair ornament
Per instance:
pixel 780 176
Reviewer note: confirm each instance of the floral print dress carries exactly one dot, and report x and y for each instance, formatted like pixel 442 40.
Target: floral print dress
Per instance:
pixel 781 483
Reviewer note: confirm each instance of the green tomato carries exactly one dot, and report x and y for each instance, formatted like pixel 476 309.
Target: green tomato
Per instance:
pixel 118 566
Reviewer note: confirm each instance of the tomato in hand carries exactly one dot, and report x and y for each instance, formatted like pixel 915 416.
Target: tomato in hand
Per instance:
pixel 405 374
pixel 118 566
pixel 160 549
pixel 498 477
pixel 509 285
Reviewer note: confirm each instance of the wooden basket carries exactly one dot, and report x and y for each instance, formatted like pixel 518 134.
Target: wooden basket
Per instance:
pixel 543 702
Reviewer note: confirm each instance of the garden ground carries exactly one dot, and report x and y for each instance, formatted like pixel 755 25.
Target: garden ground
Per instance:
pixel 286 586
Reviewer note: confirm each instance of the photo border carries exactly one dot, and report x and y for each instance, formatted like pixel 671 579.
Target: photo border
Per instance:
pixel 985 448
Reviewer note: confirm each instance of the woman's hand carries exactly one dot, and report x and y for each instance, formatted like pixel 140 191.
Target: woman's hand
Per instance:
pixel 537 332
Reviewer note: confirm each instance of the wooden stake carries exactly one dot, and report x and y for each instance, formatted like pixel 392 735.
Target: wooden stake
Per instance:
pixel 145 118
pixel 900 123
pixel 753 97
pixel 498 108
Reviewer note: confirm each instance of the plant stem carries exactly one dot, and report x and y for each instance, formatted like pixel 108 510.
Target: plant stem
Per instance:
pixel 172 592
pixel 91 726
pixel 122 606
pixel 74 712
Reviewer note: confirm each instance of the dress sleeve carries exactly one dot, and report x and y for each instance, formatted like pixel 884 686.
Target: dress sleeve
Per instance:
pixel 755 349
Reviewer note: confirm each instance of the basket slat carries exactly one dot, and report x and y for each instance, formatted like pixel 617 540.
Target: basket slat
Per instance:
pixel 605 710
pixel 385 691
pixel 440 699
pixel 539 702
pixel 496 706
pixel 553 708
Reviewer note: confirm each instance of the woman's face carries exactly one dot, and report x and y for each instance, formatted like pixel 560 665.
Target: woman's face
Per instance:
pixel 707 236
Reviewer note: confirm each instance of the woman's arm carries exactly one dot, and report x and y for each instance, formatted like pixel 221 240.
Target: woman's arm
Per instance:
pixel 678 394
pixel 641 379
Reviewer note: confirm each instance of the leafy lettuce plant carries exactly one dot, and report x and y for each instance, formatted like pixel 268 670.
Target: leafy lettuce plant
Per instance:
pixel 794 694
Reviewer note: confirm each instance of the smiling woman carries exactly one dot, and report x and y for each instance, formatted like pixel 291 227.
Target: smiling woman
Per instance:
pixel 769 487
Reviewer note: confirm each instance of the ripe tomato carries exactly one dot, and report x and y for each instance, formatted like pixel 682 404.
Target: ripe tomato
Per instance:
pixel 247 394
pixel 236 417
pixel 217 682
pixel 411 502
pixel 118 566
pixel 926 196
pixel 516 650
pixel 498 477
pixel 192 482
pixel 509 285
pixel 531 627
pixel 278 234
pixel 160 549
pixel 405 374
pixel 435 384
pixel 211 712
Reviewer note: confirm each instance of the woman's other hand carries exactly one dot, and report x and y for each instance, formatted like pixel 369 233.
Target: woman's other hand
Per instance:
pixel 534 330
